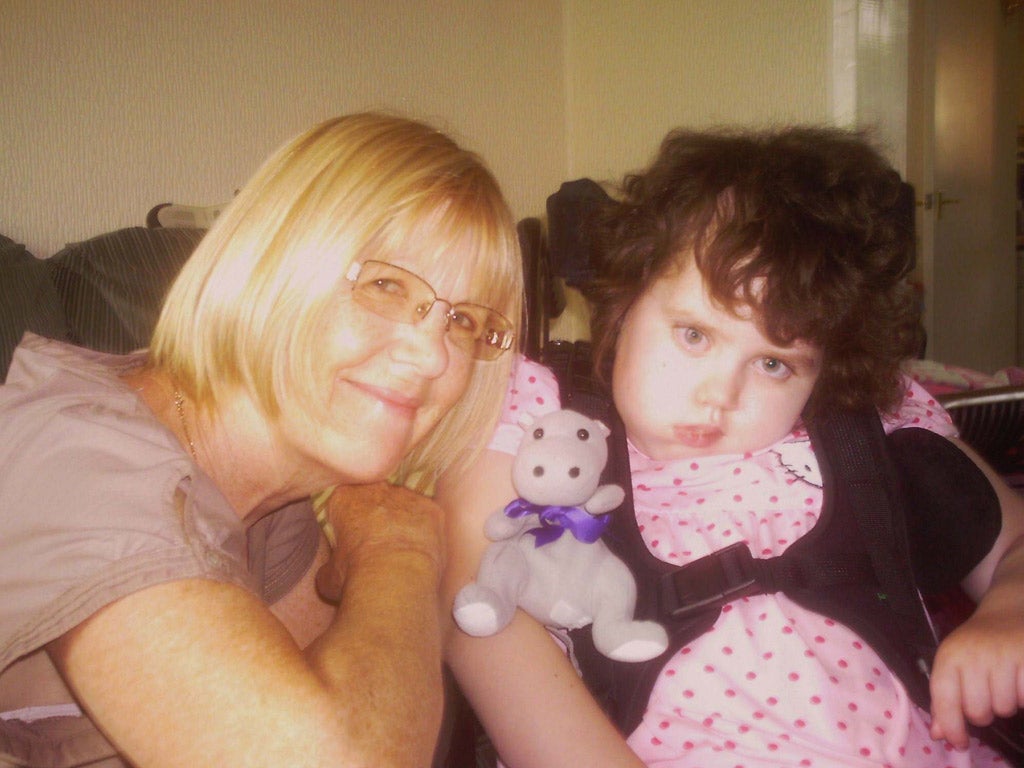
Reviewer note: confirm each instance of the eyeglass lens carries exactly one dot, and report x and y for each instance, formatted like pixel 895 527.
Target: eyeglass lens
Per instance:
pixel 398 294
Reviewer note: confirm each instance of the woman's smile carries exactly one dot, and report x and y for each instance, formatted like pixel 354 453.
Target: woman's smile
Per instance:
pixel 395 400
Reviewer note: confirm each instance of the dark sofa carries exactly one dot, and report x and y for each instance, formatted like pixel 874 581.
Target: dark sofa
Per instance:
pixel 104 293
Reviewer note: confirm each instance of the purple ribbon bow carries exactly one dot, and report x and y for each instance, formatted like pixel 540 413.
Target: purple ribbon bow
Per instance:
pixel 556 520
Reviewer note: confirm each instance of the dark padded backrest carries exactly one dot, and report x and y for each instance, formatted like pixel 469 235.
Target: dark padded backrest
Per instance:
pixel 28 301
pixel 545 296
pixel 113 286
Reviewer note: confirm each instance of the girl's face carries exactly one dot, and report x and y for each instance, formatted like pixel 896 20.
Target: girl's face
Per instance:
pixel 386 384
pixel 691 379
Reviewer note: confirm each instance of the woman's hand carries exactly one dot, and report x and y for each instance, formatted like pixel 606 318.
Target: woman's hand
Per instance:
pixel 378 520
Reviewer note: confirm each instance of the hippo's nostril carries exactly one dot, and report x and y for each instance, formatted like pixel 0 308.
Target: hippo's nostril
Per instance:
pixel 574 472
pixel 538 471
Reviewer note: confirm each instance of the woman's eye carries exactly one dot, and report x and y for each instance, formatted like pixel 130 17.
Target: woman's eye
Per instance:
pixel 775 368
pixel 464 321
pixel 390 286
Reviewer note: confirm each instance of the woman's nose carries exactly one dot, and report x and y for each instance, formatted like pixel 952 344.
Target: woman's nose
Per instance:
pixel 424 343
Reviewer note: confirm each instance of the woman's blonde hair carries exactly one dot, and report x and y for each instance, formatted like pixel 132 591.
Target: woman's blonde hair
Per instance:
pixel 244 311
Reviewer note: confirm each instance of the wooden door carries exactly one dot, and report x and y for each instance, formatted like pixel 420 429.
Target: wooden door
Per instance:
pixel 965 179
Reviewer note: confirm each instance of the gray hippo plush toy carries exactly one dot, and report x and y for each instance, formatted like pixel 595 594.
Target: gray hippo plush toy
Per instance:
pixel 547 556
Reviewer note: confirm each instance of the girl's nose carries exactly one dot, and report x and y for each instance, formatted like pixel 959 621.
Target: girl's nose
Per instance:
pixel 719 391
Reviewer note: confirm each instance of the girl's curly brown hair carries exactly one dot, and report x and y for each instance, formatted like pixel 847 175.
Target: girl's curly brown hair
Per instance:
pixel 809 226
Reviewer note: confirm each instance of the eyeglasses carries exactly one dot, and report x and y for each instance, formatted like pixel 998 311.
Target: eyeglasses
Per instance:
pixel 398 294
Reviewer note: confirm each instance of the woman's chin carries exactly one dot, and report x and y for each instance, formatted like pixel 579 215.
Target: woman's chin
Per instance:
pixel 370 472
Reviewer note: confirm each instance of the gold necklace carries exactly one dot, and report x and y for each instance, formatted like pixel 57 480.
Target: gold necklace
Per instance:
pixel 179 405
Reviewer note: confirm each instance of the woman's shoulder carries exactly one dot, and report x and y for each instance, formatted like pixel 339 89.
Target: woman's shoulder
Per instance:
pixel 84 457
pixel 38 359
pixel 66 403
pixel 99 499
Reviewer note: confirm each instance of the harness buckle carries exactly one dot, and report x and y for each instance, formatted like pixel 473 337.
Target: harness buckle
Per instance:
pixel 710 582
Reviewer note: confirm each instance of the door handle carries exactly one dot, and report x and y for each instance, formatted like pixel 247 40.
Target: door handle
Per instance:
pixel 941 200
pixel 937 200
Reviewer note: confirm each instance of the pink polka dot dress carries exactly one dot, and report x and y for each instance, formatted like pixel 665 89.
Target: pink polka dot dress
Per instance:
pixel 772 684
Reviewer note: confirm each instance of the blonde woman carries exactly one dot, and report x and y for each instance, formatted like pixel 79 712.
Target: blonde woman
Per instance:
pixel 346 319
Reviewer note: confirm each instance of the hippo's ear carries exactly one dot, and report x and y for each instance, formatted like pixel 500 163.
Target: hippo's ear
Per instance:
pixel 602 427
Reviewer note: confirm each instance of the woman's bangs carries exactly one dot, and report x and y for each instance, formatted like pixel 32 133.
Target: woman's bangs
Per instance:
pixel 457 243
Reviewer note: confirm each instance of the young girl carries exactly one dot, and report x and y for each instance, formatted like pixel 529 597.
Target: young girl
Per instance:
pixel 746 281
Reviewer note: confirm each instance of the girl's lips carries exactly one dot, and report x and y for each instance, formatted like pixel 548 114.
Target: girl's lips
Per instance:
pixel 697 435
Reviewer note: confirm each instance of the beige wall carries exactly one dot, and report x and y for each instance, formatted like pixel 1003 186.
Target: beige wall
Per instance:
pixel 108 107
pixel 636 68
pixel 111 106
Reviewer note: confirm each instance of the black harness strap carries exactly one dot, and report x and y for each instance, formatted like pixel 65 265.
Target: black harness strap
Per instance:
pixel 856 466
pixel 863 504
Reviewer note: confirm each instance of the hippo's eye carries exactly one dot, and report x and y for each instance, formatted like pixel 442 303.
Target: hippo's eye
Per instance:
pixel 538 433
pixel 583 434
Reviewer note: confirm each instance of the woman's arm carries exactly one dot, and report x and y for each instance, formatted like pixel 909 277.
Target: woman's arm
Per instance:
pixel 979 668
pixel 534 706
pixel 200 673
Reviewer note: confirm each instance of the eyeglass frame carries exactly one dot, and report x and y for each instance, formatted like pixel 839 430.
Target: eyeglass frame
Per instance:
pixel 488 346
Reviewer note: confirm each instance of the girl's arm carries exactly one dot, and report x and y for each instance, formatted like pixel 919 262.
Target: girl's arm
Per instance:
pixel 201 673
pixel 979 669
pixel 525 691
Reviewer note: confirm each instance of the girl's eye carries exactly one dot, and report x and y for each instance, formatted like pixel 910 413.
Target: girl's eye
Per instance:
pixel 775 367
pixel 691 337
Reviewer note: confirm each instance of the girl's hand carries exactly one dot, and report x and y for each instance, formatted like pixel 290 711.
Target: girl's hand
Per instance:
pixel 979 669
pixel 978 674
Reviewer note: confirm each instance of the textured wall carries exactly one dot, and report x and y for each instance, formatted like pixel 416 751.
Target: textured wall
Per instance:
pixel 108 107
pixel 636 68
